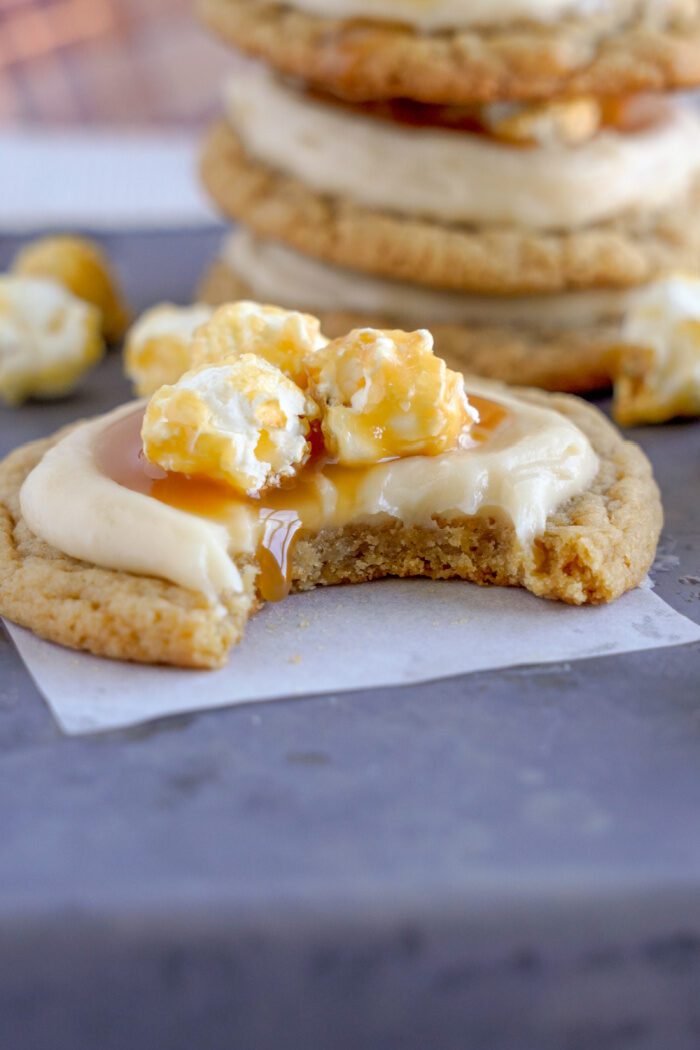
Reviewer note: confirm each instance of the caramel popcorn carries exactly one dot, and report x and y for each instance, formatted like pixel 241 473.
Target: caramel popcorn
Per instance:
pixel 81 267
pixel 285 338
pixel 386 394
pixel 158 348
pixel 48 339
pixel 240 421
pixel 659 362
pixel 567 121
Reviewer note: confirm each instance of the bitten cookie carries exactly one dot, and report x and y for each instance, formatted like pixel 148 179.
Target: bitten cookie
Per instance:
pixel 595 546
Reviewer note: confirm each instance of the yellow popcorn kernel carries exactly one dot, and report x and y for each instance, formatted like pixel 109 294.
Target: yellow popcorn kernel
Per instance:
pixel 386 394
pixel 285 338
pixel 83 268
pixel 240 421
pixel 567 121
pixel 658 374
pixel 48 339
pixel 158 348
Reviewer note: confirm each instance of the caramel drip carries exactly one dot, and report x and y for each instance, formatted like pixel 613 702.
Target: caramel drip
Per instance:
pixel 275 551
pixel 491 417
pixel 282 513
pixel 626 114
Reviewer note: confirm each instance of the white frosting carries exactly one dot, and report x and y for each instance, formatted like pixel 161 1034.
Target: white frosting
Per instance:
pixel 524 472
pixel 455 177
pixel 276 273
pixel 454 14
pixel 72 505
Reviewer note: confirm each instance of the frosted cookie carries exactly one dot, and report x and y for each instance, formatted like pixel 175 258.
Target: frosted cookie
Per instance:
pixel 486 218
pixel 457 51
pixel 384 464
pixel 567 341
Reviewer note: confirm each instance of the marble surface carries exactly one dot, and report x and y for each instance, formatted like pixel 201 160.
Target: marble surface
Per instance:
pixel 506 860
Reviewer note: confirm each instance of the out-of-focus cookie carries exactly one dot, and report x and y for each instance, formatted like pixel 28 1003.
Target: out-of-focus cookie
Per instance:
pixel 567 344
pixel 460 53
pixel 503 260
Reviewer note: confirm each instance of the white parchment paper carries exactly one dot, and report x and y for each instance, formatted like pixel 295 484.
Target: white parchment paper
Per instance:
pixel 392 632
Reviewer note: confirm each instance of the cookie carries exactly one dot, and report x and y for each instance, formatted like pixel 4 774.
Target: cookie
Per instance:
pixel 489 260
pixel 108 613
pixel 615 51
pixel 595 546
pixel 577 361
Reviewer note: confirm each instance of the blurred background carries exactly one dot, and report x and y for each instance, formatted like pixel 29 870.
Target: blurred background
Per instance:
pixel 102 107
pixel 95 63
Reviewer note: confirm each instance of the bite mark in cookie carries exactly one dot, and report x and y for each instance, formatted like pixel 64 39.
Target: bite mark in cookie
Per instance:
pixel 581 528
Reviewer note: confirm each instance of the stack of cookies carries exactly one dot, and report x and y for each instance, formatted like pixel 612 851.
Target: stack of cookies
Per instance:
pixel 507 173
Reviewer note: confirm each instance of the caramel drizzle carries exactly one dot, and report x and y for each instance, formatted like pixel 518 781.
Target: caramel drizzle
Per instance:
pixel 119 455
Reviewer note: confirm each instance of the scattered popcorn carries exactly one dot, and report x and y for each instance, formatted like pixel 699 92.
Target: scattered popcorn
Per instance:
pixel 240 421
pixel 566 121
pixel 285 338
pixel 662 378
pixel 81 267
pixel 158 348
pixel 48 339
pixel 386 394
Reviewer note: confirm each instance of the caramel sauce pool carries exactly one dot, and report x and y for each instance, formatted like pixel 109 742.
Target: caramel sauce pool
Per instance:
pixel 119 456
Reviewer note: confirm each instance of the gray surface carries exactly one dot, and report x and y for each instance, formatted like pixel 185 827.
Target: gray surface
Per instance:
pixel 501 860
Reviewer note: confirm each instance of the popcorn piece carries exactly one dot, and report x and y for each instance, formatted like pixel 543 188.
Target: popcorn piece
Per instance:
pixel 566 121
pixel 158 347
pixel 285 338
pixel 82 267
pixel 241 422
pixel 386 394
pixel 572 121
pixel 659 363
pixel 48 339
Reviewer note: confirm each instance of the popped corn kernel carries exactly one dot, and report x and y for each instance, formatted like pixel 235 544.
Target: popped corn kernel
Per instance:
pixel 240 421
pixel 659 360
pixel 48 339
pixel 158 348
pixel 83 268
pixel 386 394
pixel 285 338
pixel 567 121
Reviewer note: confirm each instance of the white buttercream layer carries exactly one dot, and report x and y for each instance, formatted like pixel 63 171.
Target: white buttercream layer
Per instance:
pixel 274 273
pixel 458 177
pixel 430 15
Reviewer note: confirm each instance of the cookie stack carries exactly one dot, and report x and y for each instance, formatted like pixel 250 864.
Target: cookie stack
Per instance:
pixel 504 172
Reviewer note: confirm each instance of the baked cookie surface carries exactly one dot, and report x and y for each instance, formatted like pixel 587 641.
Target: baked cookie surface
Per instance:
pixel 615 51
pixel 489 260
pixel 595 546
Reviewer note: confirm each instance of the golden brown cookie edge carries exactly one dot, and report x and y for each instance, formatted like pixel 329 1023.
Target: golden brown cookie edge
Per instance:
pixel 360 60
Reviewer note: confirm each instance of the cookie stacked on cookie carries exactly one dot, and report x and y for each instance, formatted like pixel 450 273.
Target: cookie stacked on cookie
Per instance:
pixel 508 172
